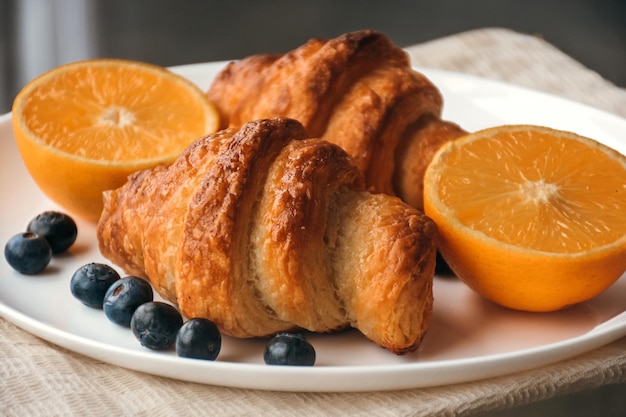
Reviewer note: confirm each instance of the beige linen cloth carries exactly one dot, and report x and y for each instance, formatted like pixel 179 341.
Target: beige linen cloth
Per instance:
pixel 40 379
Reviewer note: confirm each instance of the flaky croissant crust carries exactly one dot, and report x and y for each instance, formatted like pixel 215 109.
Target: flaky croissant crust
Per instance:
pixel 262 230
pixel 358 91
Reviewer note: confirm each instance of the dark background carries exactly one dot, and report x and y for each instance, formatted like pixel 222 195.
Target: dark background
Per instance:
pixel 187 31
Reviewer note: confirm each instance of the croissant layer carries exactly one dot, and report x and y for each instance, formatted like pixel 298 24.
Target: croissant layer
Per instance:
pixel 263 230
pixel 358 91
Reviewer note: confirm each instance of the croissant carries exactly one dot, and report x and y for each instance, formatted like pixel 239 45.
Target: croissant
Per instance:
pixel 262 230
pixel 357 91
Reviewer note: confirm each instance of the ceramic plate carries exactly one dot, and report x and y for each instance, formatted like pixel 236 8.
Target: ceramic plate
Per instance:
pixel 469 338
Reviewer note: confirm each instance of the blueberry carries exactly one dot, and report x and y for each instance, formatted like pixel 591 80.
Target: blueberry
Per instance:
pixel 289 349
pixel 28 253
pixel 123 297
pixel 199 338
pixel 90 283
pixel 155 325
pixel 57 228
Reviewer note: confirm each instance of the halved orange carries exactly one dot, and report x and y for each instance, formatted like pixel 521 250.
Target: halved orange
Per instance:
pixel 82 128
pixel 530 217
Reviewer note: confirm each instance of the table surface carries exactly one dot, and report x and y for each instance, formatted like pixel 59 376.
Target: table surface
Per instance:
pixel 38 378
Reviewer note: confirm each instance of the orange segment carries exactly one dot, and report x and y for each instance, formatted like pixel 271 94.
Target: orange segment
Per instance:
pixel 82 128
pixel 530 217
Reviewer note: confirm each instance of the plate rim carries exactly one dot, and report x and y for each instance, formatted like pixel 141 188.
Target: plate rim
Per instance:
pixel 543 355
pixel 580 344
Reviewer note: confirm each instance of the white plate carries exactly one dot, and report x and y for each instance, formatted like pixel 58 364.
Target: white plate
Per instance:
pixel 469 338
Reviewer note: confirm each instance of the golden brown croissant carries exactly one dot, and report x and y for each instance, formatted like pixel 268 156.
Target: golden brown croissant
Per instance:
pixel 357 91
pixel 262 230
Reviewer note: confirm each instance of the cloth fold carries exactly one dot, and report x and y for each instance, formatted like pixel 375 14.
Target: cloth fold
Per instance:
pixel 38 378
pixel 520 59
